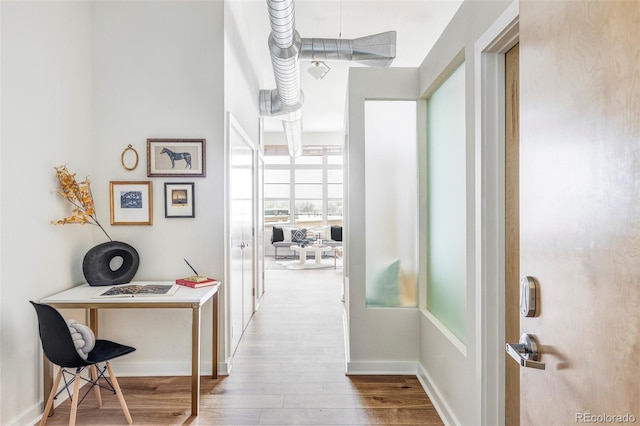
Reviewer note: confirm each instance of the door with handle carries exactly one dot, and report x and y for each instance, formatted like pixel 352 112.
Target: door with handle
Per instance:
pixel 241 220
pixel 580 210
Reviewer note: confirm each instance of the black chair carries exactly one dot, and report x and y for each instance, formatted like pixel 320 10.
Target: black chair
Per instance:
pixel 59 348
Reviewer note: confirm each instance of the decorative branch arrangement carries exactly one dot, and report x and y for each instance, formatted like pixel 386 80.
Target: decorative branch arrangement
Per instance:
pixel 79 195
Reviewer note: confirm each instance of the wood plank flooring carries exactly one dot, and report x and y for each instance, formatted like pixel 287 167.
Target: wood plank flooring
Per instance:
pixel 287 370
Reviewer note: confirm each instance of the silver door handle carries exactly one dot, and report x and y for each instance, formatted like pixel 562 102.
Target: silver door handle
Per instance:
pixel 525 352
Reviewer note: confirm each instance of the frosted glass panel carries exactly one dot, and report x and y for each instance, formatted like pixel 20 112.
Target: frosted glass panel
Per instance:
pixel 446 204
pixel 391 203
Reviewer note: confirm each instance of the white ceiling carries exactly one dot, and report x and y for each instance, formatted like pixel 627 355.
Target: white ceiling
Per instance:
pixel 418 24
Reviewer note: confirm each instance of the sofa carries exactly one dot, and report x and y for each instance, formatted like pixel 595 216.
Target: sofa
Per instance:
pixel 287 236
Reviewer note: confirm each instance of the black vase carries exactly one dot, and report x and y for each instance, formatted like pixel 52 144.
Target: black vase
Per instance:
pixel 96 264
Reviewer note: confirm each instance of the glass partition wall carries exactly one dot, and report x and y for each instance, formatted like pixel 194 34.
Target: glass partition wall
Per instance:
pixel 391 203
pixel 446 204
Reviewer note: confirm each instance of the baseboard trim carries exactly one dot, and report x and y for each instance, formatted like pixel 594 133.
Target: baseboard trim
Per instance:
pixel 444 411
pixel 382 368
pixel 33 415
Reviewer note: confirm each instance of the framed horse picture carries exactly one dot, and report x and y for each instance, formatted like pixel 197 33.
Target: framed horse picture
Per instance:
pixel 176 157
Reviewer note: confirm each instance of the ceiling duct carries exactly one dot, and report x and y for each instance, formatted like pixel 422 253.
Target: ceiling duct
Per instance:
pixel 285 101
pixel 287 48
pixel 377 50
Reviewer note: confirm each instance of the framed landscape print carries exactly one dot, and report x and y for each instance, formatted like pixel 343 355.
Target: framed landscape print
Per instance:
pixel 176 157
pixel 179 200
pixel 131 203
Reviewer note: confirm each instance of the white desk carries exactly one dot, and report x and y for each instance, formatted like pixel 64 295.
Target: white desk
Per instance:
pixel 83 297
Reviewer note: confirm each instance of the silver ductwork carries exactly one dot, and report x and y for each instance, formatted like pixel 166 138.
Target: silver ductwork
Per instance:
pixel 374 50
pixel 287 48
pixel 284 102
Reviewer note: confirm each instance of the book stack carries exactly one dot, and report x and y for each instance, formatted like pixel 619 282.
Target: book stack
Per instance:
pixel 196 281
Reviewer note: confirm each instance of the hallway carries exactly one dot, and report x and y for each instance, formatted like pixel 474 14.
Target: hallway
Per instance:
pixel 288 370
pixel 289 367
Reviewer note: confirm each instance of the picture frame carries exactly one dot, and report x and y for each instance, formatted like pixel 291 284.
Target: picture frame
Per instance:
pixel 176 157
pixel 131 202
pixel 179 200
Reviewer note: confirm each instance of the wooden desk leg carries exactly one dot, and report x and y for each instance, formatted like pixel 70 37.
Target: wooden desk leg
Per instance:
pixel 47 376
pixel 93 320
pixel 214 340
pixel 195 359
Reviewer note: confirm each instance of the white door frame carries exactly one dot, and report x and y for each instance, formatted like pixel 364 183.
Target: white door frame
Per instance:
pixel 489 53
pixel 258 237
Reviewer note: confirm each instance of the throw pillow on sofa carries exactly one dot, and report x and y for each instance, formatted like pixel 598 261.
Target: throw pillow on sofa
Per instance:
pixel 336 233
pixel 298 235
pixel 276 234
pixel 319 232
pixel 286 231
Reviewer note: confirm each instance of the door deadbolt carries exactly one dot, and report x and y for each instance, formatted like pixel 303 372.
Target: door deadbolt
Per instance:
pixel 528 295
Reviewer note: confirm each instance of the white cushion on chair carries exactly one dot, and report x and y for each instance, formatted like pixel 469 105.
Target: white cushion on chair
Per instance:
pixel 83 338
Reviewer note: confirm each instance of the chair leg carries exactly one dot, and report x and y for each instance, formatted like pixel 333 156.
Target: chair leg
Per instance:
pixel 74 401
pixel 96 388
pixel 116 386
pixel 52 394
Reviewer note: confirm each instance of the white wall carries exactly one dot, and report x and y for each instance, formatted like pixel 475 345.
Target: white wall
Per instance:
pixel 81 81
pixel 241 89
pixel 241 85
pixel 46 121
pixel 453 372
pixel 380 340
pixel 158 73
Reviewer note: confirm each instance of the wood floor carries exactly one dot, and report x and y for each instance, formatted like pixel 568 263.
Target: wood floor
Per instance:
pixel 288 370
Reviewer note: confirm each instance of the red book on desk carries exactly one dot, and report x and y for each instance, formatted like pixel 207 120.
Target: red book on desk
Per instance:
pixel 196 283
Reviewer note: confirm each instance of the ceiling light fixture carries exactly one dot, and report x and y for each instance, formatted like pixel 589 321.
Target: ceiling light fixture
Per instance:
pixel 318 69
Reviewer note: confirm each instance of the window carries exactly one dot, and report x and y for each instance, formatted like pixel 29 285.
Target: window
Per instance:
pixel 306 190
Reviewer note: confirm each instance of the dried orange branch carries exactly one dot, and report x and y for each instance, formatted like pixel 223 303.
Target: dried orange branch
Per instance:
pixel 80 196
